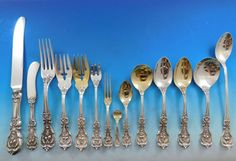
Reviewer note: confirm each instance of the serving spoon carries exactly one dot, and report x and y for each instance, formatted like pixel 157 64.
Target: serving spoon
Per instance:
pixel 222 52
pixel 205 75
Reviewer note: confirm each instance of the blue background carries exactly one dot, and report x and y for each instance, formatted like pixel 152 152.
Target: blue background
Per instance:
pixel 119 35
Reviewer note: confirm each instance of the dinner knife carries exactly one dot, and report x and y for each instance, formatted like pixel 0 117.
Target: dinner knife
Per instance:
pixel 14 141
pixel 31 95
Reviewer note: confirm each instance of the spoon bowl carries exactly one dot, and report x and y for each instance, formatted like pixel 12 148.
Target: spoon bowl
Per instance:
pixel 206 73
pixel 183 74
pixel 224 47
pixel 163 73
pixel 125 93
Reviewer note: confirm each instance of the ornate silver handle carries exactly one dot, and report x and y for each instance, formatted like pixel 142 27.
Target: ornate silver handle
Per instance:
pixel 184 136
pixel 96 138
pixel 126 139
pixel 117 138
pixel 81 138
pixel 206 138
pixel 32 138
pixel 141 135
pixel 108 137
pixel 65 136
pixel 163 136
pixel 14 141
pixel 47 138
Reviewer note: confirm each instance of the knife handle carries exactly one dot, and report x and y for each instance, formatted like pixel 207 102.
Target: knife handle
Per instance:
pixel 14 141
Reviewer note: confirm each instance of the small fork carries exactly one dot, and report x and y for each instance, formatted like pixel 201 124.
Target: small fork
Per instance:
pixel 81 73
pixel 47 74
pixel 96 76
pixel 64 76
pixel 107 102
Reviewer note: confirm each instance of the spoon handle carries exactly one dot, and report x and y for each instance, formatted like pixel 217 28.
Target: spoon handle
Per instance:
pixel 226 139
pixel 126 139
pixel 117 138
pixel 184 136
pixel 206 138
pixel 162 135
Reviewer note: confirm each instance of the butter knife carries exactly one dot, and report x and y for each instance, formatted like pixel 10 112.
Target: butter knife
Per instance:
pixel 14 141
pixel 31 95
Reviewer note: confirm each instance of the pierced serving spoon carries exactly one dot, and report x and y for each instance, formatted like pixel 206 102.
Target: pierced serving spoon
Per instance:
pixel 141 78
pixel 117 115
pixel 125 95
pixel 182 79
pixel 162 79
pixel 205 75
pixel 222 51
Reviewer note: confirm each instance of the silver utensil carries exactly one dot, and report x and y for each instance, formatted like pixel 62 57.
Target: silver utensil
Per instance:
pixel 141 78
pixel 64 76
pixel 96 76
pixel 222 51
pixel 125 95
pixel 47 74
pixel 14 140
pixel 81 74
pixel 162 79
pixel 117 115
pixel 107 102
pixel 205 75
pixel 182 79
pixel 31 95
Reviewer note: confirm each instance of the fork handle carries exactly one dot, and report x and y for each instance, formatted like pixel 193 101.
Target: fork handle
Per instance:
pixel 14 141
pixel 45 93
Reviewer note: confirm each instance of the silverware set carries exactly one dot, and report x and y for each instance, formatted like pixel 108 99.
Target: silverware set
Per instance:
pixel 205 75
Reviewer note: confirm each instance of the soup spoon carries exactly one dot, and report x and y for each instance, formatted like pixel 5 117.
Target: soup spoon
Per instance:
pixel 162 79
pixel 222 51
pixel 205 75
pixel 141 78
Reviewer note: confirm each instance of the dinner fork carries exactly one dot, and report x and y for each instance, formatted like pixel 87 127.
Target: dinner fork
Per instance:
pixel 96 76
pixel 107 102
pixel 64 76
pixel 47 74
pixel 81 76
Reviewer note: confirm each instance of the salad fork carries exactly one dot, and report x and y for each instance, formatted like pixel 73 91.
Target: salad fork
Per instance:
pixel 107 102
pixel 47 74
pixel 81 76
pixel 96 76
pixel 64 76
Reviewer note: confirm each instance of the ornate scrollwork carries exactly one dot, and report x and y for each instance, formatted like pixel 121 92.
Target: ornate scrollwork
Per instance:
pixel 32 138
pixel 227 139
pixel 206 138
pixel 141 135
pixel 81 138
pixel 163 136
pixel 184 137
pixel 14 141
pixel 108 138
pixel 96 139
pixel 126 139
pixel 47 138
pixel 65 136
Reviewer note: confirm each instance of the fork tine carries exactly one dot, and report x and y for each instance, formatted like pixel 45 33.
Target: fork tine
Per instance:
pixel 98 69
pixel 110 92
pixel 44 55
pixel 65 64
pixel 68 62
pixel 79 65
pixel 51 51
pixel 41 55
pixel 105 89
pixel 61 66
pixel 86 62
pixel 48 54
pixel 56 65
pixel 74 64
pixel 83 65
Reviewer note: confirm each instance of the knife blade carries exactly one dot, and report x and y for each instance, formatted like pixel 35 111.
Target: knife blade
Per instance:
pixel 17 55
pixel 31 78
pixel 14 141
